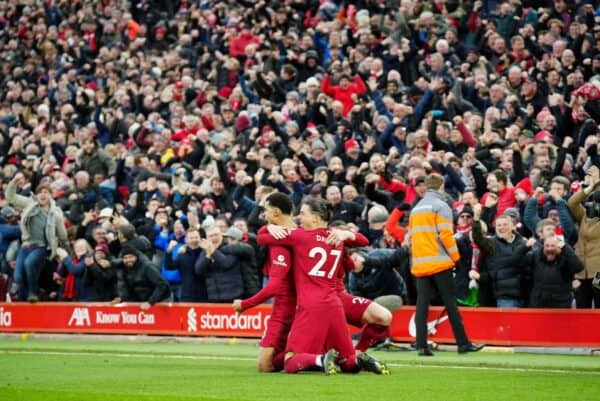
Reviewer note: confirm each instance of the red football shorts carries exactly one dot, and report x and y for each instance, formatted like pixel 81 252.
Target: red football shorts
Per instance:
pixel 354 308
pixel 316 330
pixel 278 326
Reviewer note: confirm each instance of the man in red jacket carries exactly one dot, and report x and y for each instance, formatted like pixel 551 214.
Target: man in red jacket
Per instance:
pixel 346 91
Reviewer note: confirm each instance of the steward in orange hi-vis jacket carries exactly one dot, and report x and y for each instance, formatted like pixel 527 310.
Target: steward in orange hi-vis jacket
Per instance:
pixel 434 254
pixel 432 239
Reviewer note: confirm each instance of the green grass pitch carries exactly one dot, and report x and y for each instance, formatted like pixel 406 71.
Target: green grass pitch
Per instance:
pixel 84 371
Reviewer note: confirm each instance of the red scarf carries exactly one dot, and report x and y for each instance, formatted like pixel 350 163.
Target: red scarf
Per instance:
pixel 69 286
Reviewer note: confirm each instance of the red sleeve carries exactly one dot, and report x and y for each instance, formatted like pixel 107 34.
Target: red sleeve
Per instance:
pixel 392 227
pixel 393 185
pixel 347 264
pixel 358 241
pixel 276 284
pixel 326 86
pixel 472 22
pixel 201 99
pixel 360 85
pixel 208 123
pixel 180 135
pixel 467 135
pixel 265 238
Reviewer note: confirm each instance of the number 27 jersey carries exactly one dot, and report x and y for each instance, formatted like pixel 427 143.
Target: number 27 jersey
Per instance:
pixel 314 266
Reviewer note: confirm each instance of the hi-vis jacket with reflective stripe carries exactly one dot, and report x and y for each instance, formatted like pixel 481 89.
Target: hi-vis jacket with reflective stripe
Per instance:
pixel 433 245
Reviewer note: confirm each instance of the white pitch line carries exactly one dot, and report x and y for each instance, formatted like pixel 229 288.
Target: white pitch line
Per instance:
pixel 515 369
pixel 227 358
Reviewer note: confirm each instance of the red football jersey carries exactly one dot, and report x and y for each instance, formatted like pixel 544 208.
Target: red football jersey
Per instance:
pixel 280 284
pixel 315 264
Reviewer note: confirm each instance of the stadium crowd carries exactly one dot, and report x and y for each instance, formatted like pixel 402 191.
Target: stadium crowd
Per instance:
pixel 140 140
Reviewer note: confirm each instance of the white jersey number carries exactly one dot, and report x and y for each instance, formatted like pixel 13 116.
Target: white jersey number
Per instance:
pixel 318 252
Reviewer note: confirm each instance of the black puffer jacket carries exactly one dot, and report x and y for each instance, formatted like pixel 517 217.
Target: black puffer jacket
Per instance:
pixel 501 263
pixel 223 275
pixel 143 283
pixel 246 259
pixel 193 286
pixel 552 279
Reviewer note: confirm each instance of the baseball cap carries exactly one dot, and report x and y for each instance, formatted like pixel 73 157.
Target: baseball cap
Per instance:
pixel 542 136
pixel 7 212
pixel 233 232
pixel 512 212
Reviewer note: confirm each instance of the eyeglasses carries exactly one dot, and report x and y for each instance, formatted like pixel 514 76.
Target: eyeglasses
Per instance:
pixel 465 216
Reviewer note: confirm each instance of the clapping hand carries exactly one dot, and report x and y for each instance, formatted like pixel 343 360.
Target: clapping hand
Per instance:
pixel 61 253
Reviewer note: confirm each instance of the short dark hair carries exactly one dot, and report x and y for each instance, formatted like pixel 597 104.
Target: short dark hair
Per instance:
pixel 281 201
pixel 127 230
pixel 500 176
pixel 318 206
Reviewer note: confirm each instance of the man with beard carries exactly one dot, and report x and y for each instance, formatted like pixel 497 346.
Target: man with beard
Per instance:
pixel 140 281
pixel 553 268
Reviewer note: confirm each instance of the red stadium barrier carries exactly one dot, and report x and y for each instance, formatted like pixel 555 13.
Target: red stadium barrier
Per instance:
pixel 536 327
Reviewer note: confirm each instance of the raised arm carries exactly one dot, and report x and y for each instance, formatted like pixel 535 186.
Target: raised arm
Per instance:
pixel 276 284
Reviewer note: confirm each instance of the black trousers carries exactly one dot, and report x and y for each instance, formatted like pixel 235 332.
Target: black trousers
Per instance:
pixel 585 294
pixel 444 283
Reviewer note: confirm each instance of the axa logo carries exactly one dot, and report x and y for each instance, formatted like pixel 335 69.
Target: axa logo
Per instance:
pixel 431 326
pixel 80 317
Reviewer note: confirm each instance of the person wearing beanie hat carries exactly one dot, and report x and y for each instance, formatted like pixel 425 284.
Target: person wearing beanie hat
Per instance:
pixel 225 92
pixel 128 250
pixel 350 145
pixel 242 122
pixel 103 248
pixel 141 281
pixel 318 144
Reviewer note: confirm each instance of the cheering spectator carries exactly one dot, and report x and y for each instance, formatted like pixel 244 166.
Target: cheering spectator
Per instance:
pixel 198 111
pixel 140 281
pixel 223 274
pixel 193 286
pixel 499 275
pixel 588 242
pixel 554 266
pixel 42 232
pixel 72 270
